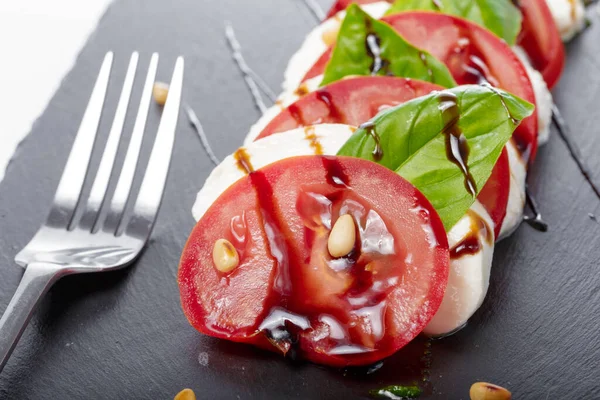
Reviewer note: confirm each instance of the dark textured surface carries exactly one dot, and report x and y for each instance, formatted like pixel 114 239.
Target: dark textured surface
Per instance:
pixel 122 335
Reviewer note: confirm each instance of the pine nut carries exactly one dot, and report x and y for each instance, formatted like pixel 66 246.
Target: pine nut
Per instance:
pixel 488 391
pixel 185 394
pixel 225 256
pixel 329 36
pixel 342 236
pixel 160 91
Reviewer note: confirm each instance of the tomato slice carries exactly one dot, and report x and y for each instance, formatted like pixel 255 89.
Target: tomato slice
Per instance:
pixel 472 54
pixel 350 101
pixel 541 40
pixel 539 37
pixel 356 100
pixel 288 294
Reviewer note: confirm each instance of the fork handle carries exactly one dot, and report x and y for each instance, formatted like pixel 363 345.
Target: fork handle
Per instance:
pixel 36 281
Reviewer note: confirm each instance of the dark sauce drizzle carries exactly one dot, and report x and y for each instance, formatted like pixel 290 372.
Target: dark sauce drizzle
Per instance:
pixel 536 221
pixel 471 244
pixel 253 80
pixel 563 132
pixel 373 45
pixel 315 9
pixel 296 114
pixel 371 131
pixel 281 324
pixel 313 140
pixel 242 161
pixel 197 125
pixel 336 176
pixel 325 97
pixel 457 148
pixel 468 246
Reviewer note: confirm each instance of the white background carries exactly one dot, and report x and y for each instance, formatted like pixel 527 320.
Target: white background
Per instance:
pixel 39 43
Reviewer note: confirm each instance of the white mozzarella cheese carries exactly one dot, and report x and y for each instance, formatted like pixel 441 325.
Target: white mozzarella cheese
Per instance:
pixel 516 195
pixel 285 99
pixel 469 276
pixel 543 97
pixel 569 16
pixel 318 41
pixel 327 138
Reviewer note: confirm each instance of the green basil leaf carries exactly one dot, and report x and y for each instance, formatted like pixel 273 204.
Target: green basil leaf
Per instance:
pixel 415 140
pixel 499 16
pixel 366 46
pixel 397 392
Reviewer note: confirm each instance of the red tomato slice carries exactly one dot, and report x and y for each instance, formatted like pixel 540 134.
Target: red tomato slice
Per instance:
pixel 288 294
pixel 350 101
pixel 539 36
pixel 356 100
pixel 472 54
pixel 541 40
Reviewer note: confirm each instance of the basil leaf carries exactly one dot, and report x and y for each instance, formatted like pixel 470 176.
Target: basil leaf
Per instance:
pixel 366 46
pixel 397 392
pixel 499 16
pixel 416 140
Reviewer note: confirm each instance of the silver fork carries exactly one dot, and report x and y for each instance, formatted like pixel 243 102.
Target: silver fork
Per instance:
pixel 64 246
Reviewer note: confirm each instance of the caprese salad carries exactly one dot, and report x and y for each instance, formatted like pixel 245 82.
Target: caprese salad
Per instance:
pixel 364 206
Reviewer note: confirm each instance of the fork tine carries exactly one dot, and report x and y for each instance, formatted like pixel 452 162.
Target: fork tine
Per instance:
pixel 70 185
pixel 153 185
pixel 98 192
pixel 124 183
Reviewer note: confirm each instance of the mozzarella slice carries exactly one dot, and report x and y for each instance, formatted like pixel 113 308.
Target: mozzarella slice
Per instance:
pixel 516 194
pixel 318 41
pixel 569 16
pixel 469 276
pixel 543 97
pixel 283 101
pixel 325 139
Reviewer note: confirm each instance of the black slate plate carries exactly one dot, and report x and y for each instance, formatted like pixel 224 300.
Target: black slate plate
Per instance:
pixel 122 335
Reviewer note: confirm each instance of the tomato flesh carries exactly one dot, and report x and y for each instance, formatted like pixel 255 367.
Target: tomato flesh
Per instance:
pixel 350 101
pixel 472 54
pixel 288 294
pixel 356 100
pixel 539 36
pixel 541 40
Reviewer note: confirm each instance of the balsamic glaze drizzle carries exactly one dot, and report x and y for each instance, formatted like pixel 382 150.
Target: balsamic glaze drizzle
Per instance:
pixel 253 80
pixel 336 176
pixel 373 45
pixel 313 140
pixel 195 122
pixel 471 244
pixel 374 49
pixel 325 97
pixel 294 111
pixel 281 324
pixel 564 134
pixel 457 148
pixel 315 10
pixel 370 130
pixel 243 161
pixel 536 222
